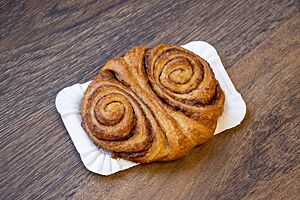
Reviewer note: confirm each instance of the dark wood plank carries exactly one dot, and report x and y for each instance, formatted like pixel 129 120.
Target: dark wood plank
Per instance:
pixel 48 45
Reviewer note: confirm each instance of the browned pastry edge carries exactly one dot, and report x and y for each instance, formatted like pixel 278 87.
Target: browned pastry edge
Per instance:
pixel 153 104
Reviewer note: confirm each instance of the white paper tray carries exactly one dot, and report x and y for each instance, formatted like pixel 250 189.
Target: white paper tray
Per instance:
pixel 97 160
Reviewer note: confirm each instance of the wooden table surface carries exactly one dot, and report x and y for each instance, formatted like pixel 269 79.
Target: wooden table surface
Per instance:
pixel 48 45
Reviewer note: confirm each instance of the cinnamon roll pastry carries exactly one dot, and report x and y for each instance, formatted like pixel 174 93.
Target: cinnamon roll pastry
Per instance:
pixel 153 104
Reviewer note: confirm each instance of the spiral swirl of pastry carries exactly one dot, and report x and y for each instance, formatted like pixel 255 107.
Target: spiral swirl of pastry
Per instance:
pixel 153 104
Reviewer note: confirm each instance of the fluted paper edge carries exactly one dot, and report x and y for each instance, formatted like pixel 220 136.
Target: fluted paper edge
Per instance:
pixel 97 160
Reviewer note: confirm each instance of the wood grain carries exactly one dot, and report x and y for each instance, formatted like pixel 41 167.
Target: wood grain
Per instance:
pixel 48 45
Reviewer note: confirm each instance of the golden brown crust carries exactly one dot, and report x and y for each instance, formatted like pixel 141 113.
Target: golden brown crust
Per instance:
pixel 154 104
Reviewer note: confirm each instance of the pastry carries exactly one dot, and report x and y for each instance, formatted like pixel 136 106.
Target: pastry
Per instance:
pixel 153 104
